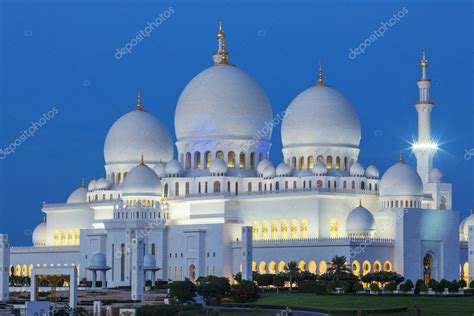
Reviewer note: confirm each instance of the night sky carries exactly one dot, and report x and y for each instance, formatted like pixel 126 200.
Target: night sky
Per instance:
pixel 62 55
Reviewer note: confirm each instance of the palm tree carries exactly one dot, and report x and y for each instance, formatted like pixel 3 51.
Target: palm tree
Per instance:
pixel 339 267
pixel 291 270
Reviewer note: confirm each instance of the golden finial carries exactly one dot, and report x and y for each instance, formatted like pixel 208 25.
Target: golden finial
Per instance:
pixel 139 101
pixel 142 161
pixel 401 157
pixel 424 61
pixel 83 184
pixel 220 34
pixel 320 80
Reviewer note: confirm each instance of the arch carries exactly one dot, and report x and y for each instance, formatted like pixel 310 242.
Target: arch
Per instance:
pixel 284 229
pixel 242 160
pixel 249 187
pixel 301 164
pixel 192 272
pixel 302 265
pixel 220 154
pixel 188 161
pixel 18 270
pixel 217 187
pixel 320 158
pixel 293 163
pixel 293 228
pixel 353 186
pixel 197 160
pixel 377 266
pixel 262 267
pixel 355 267
pixel 272 267
pixel 207 159
pixel 255 230
pixel 231 159
pixel 264 230
pixel 252 160
pixel 30 268
pixel 387 266
pixel 274 231
pixel 277 186
pixel 338 162
pixel 427 266
pixel 166 190
pixel 465 271
pixel 303 228
pixel 236 188
pixel 319 184
pixel 329 162
pixel 186 188
pixel 176 189
pixel 119 178
pixel 56 237
pixel 63 237
pixel 254 266
pixel 24 270
pixel 310 162
pixel 366 267
pixel 70 237
pixel 362 185
pixel 323 267
pixel 345 163
pixel 312 266
pixel 281 266
pixel 333 228
pixel 443 203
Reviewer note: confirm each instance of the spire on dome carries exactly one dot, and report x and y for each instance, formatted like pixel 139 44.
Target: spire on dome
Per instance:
pixel 83 183
pixel 139 101
pixel 401 157
pixel 142 161
pixel 360 202
pixel 221 56
pixel 320 79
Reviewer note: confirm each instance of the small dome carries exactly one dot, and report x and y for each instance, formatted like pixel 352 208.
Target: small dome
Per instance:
pixel 98 260
pixel 464 227
pixel 149 261
pixel 173 167
pixel 264 163
pixel 92 185
pixel 218 166
pixel 360 222
pixel 283 170
pixel 39 236
pixel 436 175
pixel 79 195
pixel 319 168
pixel 141 180
pixel 160 169
pixel 401 180
pixel 372 172
pixel 357 170
pixel 101 184
pixel 269 172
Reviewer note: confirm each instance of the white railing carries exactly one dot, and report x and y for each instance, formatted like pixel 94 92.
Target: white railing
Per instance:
pixel 323 240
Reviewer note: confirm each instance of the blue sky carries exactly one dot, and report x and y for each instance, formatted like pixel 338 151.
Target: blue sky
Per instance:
pixel 61 54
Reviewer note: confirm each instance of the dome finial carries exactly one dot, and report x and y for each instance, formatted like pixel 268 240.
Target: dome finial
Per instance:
pixel 424 61
pixel 220 34
pixel 320 80
pixel 360 202
pixel 83 183
pixel 139 101
pixel 401 157
pixel 142 161
pixel 220 57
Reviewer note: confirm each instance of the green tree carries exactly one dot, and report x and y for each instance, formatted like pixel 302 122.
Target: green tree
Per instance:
pixel 339 268
pixel 291 271
pixel 213 289
pixel 246 291
pixel 182 291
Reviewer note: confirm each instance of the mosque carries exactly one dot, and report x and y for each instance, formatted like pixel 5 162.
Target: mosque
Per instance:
pixel 220 206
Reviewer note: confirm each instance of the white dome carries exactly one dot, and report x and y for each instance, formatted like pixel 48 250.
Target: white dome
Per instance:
pixel 218 166
pixel 372 172
pixel 436 175
pixel 360 221
pixel 101 184
pixel 149 261
pixel 357 170
pixel 321 116
pixel 141 180
pixel 79 195
pixel 262 165
pixel 39 236
pixel 98 260
pixel 464 227
pixel 136 133
pixel 283 170
pixel 173 167
pixel 92 185
pixel 222 102
pixel 269 172
pixel 319 168
pixel 160 169
pixel 401 180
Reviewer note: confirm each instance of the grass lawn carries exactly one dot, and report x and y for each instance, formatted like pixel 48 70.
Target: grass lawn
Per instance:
pixel 234 313
pixel 453 305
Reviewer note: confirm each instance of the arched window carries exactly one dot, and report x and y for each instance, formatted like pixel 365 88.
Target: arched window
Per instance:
pixel 294 185
pixel 442 205
pixel 77 236
pixel 260 187
pixel 286 185
pixel 242 160
pixel 320 158
pixel 262 267
pixel 284 229
pixel 197 160
pixel 310 162
pixel 217 187
pixel 387 266
pixel 333 228
pixel 70 237
pixel 302 265
pixel 255 230
pixel 220 154
pixel 294 229
pixel 249 187
pixel 112 177
pixel 370 186
pixel 199 187
pixel 345 163
pixel 186 188
pixel 228 186
pixel 281 266
pixel 264 230
pixel 272 267
pixel 277 186
pixel 319 184
pixel 377 266
pixel 274 229
pixel 356 267
pixel 176 189
pixel 323 267
pixel 362 185
pixel 365 267
pixel 205 187
pixel 293 163
pixel 376 187
pixel 236 188
pixel 338 162
pixel 329 162
pixel 303 228
pixel 188 160
pixel 353 185
pixel 252 160
pixel 302 163
pixel 254 266
pixel 119 178
pixel 63 237
pixel 166 190
pixel 208 159
pixel 312 267
pixel 231 159
pixel 344 185
pixel 56 237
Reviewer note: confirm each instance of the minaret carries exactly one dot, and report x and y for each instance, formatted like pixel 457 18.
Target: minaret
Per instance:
pixel 4 267
pixel 220 57
pixel 425 148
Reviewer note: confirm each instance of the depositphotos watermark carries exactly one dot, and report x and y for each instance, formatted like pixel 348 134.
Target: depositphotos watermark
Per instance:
pixel 28 133
pixel 378 33
pixel 144 33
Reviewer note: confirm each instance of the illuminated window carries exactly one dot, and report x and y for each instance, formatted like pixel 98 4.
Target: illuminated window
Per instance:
pixel 294 229
pixel 356 267
pixel 303 228
pixel 323 267
pixel 366 267
pixel 231 159
pixel 312 266
pixel 345 163
pixel 338 163
pixel 281 266
pixel 284 229
pixel 377 266
pixel 242 160
pixel 56 237
pixel 63 237
pixel 217 187
pixel 302 265
pixel 320 158
pixel 188 160
pixel 197 160
pixel 310 162
pixel 333 228
pixel 264 230
pixel 262 267
pixel 272 267
pixel 255 231
pixel 274 229
pixel 220 154
pixel 70 240
pixel 254 266
pixel 387 266
pixel 208 159
pixel 252 161
pixel 329 162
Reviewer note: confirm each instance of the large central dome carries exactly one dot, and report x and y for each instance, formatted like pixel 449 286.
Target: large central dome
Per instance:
pixel 222 102
pixel 321 116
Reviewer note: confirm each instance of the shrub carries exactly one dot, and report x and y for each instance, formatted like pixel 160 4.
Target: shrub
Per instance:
pixel 409 285
pixel 279 280
pixel 462 284
pixel 346 286
pixel 453 287
pixel 148 283
pixel 423 287
pixel 237 277
pixel 390 286
pixel 310 286
pixel 183 291
pixel 331 286
pixel 418 283
pixel 374 287
pixel 213 289
pixel 163 310
pixel 246 291
pixel 443 284
pixel 357 286
pixel 433 284
pixel 471 284
pixel 264 279
pixel 382 277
